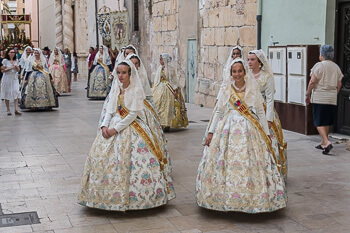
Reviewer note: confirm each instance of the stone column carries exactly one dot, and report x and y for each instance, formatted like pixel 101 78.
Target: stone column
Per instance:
pixel 58 22
pixel 68 25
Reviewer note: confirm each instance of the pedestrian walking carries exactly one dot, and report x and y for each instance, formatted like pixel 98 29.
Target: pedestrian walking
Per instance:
pixel 127 167
pixel 2 56
pixel 75 69
pixel 9 83
pixel 322 91
pixel 38 90
pixel 263 75
pixel 68 60
pixel 90 61
pixel 238 171
pixel 168 97
pixel 56 63
pixel 99 79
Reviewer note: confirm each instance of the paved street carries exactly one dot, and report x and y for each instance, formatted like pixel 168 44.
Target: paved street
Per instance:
pixel 42 155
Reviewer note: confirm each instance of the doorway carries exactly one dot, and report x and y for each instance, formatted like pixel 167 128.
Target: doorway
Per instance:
pixel 342 44
pixel 191 71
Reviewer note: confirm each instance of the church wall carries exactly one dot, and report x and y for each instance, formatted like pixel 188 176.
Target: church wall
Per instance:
pixel 222 25
pixel 47 25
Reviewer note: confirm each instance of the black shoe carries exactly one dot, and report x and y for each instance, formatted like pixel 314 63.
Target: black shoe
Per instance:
pixel 327 149
pixel 86 88
pixel 319 147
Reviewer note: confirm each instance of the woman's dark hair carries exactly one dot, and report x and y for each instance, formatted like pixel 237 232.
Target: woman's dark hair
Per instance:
pixel 7 55
pixel 123 63
pixel 131 48
pixel 135 56
pixel 235 63
pixel 261 64
pixel 75 54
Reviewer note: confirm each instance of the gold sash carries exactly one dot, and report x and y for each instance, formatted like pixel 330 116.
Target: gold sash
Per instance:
pixel 104 66
pixel 243 109
pixel 123 112
pixel 149 106
pixel 282 144
pixel 40 68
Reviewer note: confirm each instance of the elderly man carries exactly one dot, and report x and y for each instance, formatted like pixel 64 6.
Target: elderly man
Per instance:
pixel 322 92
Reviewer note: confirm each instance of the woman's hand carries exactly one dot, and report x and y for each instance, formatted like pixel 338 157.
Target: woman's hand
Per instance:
pixel 307 99
pixel 104 132
pixel 111 132
pixel 208 140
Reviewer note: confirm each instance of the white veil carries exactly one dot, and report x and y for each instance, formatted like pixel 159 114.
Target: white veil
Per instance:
pixel 134 95
pixel 230 59
pixel 263 59
pixel 120 56
pixel 132 47
pixel 106 59
pixel 167 65
pixel 53 56
pixel 31 61
pixel 24 57
pixel 252 92
pixel 142 74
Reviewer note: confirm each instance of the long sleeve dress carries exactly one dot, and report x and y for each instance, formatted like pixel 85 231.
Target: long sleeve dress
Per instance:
pixel 59 76
pixel 267 88
pixel 172 111
pixel 129 170
pixel 237 171
pixel 99 80
pixel 38 92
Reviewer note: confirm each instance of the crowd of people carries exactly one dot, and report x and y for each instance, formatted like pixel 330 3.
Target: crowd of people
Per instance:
pixel 244 162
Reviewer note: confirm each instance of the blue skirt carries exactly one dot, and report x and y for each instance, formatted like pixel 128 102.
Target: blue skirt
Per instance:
pixel 323 114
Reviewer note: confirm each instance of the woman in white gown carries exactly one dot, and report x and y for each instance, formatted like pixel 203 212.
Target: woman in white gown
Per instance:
pixel 238 171
pixel 167 96
pixel 126 169
pixel 263 74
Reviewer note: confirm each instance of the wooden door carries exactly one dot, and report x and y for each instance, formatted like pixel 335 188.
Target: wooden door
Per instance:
pixel 342 44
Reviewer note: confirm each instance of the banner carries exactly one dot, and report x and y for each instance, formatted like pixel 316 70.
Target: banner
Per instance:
pixel 120 33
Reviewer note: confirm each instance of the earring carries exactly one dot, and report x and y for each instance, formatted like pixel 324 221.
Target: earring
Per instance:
pixel 260 65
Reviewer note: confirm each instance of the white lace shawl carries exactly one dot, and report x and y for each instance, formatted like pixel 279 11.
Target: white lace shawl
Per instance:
pixel 230 59
pixel 53 56
pixel 24 57
pixel 252 96
pixel 106 59
pixel 262 57
pixel 134 94
pixel 31 60
pixel 169 71
pixel 143 75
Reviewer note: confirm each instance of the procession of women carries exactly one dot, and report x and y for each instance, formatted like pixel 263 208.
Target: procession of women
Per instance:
pixel 244 161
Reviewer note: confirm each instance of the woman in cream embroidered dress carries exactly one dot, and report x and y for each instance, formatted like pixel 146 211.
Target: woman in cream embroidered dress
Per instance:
pixel 167 96
pixel 38 91
pixel 236 52
pixel 237 171
pixel 263 74
pixel 126 169
pixel 56 63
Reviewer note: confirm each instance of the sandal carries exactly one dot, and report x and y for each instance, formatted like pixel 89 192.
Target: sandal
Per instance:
pixel 9 113
pixel 327 149
pixel 18 113
pixel 319 147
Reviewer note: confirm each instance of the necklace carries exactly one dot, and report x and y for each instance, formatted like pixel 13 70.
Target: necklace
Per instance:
pixel 238 88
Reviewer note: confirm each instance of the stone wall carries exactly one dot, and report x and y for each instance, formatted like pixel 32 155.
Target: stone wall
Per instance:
pixel 222 25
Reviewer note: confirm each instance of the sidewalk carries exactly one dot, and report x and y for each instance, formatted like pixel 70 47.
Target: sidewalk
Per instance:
pixel 42 155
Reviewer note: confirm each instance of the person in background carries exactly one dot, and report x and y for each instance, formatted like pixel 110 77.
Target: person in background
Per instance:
pixel 46 52
pixel 322 91
pixel 17 53
pixel 68 63
pixel 9 82
pixel 75 69
pixel 1 59
pixel 90 61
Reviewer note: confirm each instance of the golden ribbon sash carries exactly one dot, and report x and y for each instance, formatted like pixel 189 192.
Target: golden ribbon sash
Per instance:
pixel 243 109
pixel 123 112
pixel 104 66
pixel 149 106
pixel 40 68
pixel 282 144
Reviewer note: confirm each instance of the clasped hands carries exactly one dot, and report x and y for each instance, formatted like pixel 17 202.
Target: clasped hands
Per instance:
pixel 107 133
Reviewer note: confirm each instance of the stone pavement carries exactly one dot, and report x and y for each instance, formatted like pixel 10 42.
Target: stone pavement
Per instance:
pixel 42 154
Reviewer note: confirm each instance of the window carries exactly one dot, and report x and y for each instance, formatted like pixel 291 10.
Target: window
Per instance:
pixel 136 15
pixel 24 1
pixel 24 10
